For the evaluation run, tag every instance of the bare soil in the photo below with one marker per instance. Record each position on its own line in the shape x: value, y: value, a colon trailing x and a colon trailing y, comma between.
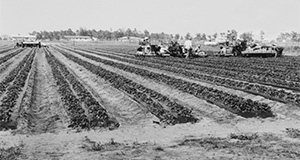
x: 219, y: 134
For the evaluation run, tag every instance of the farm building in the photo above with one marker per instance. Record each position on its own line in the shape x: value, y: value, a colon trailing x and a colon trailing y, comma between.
x: 80, y: 38
x: 130, y: 39
x: 24, y: 38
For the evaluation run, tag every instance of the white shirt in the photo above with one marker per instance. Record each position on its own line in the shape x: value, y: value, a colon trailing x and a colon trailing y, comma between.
x: 188, y: 44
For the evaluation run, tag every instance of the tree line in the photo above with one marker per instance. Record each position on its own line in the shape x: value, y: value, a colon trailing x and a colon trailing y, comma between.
x: 101, y: 34
x: 114, y: 35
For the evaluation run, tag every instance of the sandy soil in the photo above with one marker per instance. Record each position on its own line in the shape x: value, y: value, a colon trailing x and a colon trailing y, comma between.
x: 282, y: 110
x: 119, y: 104
x: 138, y: 137
x: 142, y: 140
x: 201, y: 107
x: 47, y: 109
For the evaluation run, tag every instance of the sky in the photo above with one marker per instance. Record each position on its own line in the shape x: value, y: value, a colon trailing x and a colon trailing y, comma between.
x: 168, y: 16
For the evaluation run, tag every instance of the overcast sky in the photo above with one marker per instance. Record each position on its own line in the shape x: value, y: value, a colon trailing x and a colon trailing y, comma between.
x: 168, y: 16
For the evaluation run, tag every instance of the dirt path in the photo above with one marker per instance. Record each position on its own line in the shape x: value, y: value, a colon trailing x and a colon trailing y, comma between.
x: 47, y: 109
x: 117, y: 103
x: 69, y: 145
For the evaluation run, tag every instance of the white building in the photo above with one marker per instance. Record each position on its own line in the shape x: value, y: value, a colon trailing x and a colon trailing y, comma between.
x: 24, y: 38
x: 80, y: 38
x: 130, y: 39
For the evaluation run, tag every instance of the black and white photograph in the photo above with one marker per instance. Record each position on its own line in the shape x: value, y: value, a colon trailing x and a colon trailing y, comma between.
x: 149, y: 79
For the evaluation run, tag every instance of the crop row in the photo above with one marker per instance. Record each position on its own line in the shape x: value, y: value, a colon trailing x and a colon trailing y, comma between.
x: 6, y: 50
x: 75, y: 111
x: 167, y: 111
x: 7, y: 57
x: 12, y: 75
x: 283, y: 78
x: 281, y: 64
x: 186, y: 70
x: 13, y: 91
x: 97, y: 116
x: 25, y: 110
x: 233, y: 103
x: 242, y: 66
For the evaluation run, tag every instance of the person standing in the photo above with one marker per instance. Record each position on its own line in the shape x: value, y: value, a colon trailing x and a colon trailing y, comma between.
x: 188, y: 47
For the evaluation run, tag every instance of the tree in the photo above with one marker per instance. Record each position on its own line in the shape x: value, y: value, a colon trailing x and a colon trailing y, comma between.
x: 209, y: 37
x: 187, y: 36
x: 177, y: 36
x: 146, y: 33
x: 119, y: 33
x: 284, y: 37
x: 128, y: 32
x: 39, y: 35
x: 262, y: 35
x: 295, y: 37
x: 214, y: 36
x: 248, y: 36
x: 200, y: 36
x: 69, y: 32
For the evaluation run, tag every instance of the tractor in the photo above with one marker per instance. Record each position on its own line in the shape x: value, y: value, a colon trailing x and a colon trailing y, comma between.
x: 152, y: 50
x: 241, y: 48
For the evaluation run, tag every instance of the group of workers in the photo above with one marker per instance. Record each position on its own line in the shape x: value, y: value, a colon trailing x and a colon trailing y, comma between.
x: 187, y: 46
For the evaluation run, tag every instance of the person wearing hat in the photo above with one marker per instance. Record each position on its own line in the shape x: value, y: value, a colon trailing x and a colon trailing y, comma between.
x: 188, y: 46
x: 146, y: 41
x: 145, y: 44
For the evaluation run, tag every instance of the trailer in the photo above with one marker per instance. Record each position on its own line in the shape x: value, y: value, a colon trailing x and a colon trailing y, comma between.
x: 243, y: 49
x: 263, y: 51
x: 31, y: 44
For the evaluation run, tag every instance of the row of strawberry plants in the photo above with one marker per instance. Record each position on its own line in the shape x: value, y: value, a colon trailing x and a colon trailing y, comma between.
x: 266, y: 80
x: 186, y: 70
x: 24, y: 119
x: 96, y: 114
x: 280, y: 64
x: 10, y: 99
x: 13, y: 74
x: 233, y: 103
x: 167, y: 111
x: 78, y: 119
x: 9, y: 56
x: 284, y: 77
x: 6, y: 49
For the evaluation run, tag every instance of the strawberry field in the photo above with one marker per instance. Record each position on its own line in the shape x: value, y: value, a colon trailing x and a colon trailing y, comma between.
x: 232, y: 84
x: 106, y: 89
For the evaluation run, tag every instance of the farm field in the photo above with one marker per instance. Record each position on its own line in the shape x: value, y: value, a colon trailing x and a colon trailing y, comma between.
x: 95, y: 101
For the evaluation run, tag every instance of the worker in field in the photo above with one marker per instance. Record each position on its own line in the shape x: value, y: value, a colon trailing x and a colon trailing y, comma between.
x: 145, y: 46
x: 198, y: 49
x: 145, y: 41
x: 174, y: 42
x: 188, y: 47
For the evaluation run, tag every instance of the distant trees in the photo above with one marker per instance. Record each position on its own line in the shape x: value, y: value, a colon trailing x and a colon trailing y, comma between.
x: 187, y: 36
x: 293, y: 37
x: 262, y: 35
x: 200, y: 37
x: 102, y: 34
x: 248, y: 36
x: 177, y: 36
